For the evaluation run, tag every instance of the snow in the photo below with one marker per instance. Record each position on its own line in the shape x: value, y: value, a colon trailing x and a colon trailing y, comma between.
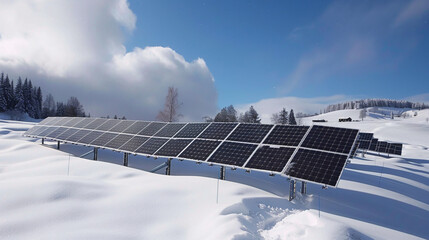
x: 52, y: 194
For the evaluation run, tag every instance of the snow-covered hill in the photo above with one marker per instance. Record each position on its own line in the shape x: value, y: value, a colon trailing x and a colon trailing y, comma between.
x: 51, y: 194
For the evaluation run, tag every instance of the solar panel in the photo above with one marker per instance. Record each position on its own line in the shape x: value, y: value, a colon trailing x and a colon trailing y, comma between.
x: 199, y: 150
x: 218, y: 131
x: 382, y: 147
x: 73, y: 122
x: 173, y: 147
x: 152, y: 128
x: 63, y: 121
x: 54, y: 121
x: 270, y: 158
x: 253, y: 133
x: 364, y: 144
x: 95, y: 124
x: 332, y: 139
x: 67, y: 133
x: 231, y: 153
x: 78, y: 135
x: 363, y: 136
x: 46, y: 120
x: 170, y: 129
x: 286, y: 135
x: 316, y: 166
x: 32, y: 130
x: 103, y: 139
x: 136, y: 127
x: 56, y: 132
x: 46, y: 131
x: 83, y: 123
x: 133, y: 143
x: 118, y: 141
x: 87, y: 139
x: 191, y: 130
x: 120, y: 127
x: 151, y: 145
x: 395, y: 148
x: 107, y: 125
x: 373, y: 145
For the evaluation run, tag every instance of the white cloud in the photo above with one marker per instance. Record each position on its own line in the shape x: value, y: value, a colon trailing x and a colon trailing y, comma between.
x: 266, y: 107
x: 76, y: 48
x: 413, y: 10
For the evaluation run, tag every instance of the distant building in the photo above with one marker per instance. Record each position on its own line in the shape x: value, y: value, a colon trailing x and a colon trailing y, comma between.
x: 319, y: 120
x: 349, y: 119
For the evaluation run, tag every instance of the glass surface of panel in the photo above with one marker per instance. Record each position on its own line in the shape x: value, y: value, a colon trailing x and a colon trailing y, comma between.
x: 173, y: 147
x: 56, y: 132
x: 78, y: 135
x: 120, y: 127
x: 151, y: 145
x: 231, y: 153
x: 87, y: 139
x: 107, y: 125
x: 118, y: 141
x: 286, y: 135
x: 252, y: 133
x: 271, y: 159
x: 133, y: 143
x: 73, y: 121
x: 103, y: 139
x: 152, y: 128
x: 169, y: 130
x: 84, y: 122
x: 199, y: 149
x: 332, y: 139
x: 67, y: 133
x: 218, y: 131
x: 95, y: 124
x: 316, y: 166
x: 136, y: 127
x: 191, y: 130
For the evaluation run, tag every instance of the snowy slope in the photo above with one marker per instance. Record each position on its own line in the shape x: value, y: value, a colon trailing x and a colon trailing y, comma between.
x: 50, y: 194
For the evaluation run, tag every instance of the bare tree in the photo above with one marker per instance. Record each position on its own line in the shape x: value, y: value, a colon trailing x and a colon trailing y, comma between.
x: 171, y: 107
x: 362, y: 114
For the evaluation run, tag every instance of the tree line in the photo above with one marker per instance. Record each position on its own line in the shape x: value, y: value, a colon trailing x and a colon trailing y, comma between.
x: 365, y: 103
x: 25, y: 98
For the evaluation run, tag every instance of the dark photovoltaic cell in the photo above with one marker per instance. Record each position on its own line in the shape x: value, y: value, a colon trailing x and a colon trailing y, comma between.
x: 173, y: 147
x: 151, y: 145
x: 83, y: 123
x: 54, y: 121
x: 47, y: 131
x: 56, y: 132
x: 120, y: 127
x: 218, y: 131
x: 118, y: 141
x: 191, y: 130
x: 73, y: 122
x: 63, y: 121
x: 46, y: 120
x: 78, y: 135
x: 107, y: 125
x: 373, y: 145
x: 67, y: 133
x: 231, y: 153
x: 382, y: 146
x: 363, y: 136
x: 133, y: 143
x: 316, y: 166
x: 32, y: 130
x: 39, y: 130
x: 286, y: 135
x: 136, y: 127
x: 87, y: 139
x: 95, y: 124
x: 253, y: 133
x: 103, y: 139
x: 395, y: 148
x: 152, y: 128
x: 364, y: 144
x: 271, y: 159
x: 169, y: 130
x: 200, y: 149
x: 339, y: 140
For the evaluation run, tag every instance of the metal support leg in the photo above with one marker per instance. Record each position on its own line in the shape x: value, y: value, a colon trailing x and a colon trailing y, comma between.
x: 126, y: 159
x: 222, y: 173
x: 292, y: 192
x: 43, y: 141
x: 95, y: 154
x: 58, y: 145
x: 303, y: 188
x: 168, y: 169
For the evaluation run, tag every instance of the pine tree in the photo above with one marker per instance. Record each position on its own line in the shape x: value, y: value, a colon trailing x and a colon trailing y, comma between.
x: 283, y: 117
x: 19, y: 97
x: 8, y: 94
x: 292, y: 120
x: 226, y: 114
x: 250, y: 116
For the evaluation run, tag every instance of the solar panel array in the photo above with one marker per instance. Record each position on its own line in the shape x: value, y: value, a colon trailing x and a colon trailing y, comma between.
x: 366, y: 141
x: 317, y: 154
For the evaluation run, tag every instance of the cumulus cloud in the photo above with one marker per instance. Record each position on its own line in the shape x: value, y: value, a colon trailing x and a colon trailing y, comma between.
x: 266, y: 107
x: 76, y: 48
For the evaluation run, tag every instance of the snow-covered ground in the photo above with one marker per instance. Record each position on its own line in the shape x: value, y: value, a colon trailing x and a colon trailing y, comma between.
x: 51, y: 194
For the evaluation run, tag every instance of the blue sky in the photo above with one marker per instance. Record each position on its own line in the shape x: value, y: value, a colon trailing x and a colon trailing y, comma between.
x: 267, y: 49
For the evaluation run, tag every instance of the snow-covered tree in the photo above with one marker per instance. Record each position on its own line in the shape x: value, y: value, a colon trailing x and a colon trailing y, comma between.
x: 170, y: 113
x: 19, y: 97
x: 280, y: 117
x: 362, y: 114
x: 48, y: 108
x: 226, y: 114
x: 250, y: 116
x: 292, y: 120
x: 60, y: 112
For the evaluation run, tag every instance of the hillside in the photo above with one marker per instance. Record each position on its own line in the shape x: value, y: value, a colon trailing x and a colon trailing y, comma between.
x: 51, y: 194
